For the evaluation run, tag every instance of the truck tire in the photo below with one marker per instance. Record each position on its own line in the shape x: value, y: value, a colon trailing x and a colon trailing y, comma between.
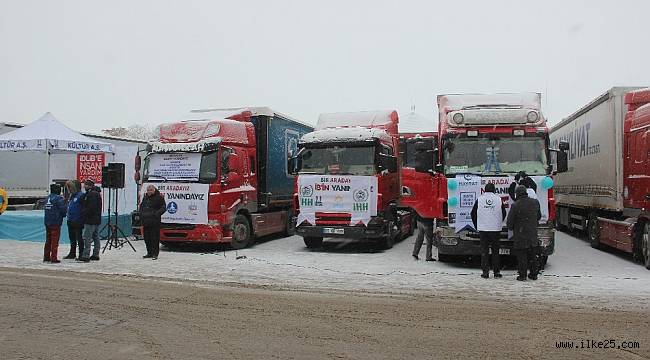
x: 290, y: 227
x: 543, y: 259
x: 645, y: 245
x: 593, y: 231
x: 241, y: 233
x: 445, y: 258
x: 387, y: 241
x: 313, y: 242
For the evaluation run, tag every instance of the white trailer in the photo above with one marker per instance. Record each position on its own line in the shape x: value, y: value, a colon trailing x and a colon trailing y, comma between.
x: 595, y: 175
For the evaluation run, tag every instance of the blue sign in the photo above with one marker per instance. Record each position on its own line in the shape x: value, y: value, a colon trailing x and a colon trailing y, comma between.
x: 172, y: 207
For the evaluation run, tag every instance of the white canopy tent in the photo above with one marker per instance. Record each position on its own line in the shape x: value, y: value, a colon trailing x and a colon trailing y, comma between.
x: 49, y: 135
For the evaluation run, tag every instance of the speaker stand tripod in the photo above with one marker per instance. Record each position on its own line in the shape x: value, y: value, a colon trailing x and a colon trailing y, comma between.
x: 115, y: 236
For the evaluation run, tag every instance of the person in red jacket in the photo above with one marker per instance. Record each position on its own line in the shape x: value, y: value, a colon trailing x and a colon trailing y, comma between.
x: 55, y: 211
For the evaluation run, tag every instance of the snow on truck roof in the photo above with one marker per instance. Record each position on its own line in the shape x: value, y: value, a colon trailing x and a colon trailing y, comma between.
x: 344, y: 134
x: 368, y: 119
x: 449, y: 102
x: 225, y: 113
x: 352, y: 127
x: 197, y: 133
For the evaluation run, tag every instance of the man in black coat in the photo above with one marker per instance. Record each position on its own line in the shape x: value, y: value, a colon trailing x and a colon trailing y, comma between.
x: 522, y: 220
x: 91, y: 213
x: 151, y: 209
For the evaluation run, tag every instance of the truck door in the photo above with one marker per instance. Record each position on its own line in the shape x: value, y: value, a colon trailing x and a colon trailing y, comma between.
x: 646, y: 174
x: 637, y: 179
x: 231, y: 177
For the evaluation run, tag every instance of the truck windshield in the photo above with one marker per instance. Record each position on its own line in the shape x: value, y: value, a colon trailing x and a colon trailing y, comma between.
x: 495, y: 155
x: 337, y: 160
x: 187, y: 167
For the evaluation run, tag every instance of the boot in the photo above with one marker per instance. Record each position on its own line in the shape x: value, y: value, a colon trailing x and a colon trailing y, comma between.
x: 497, y: 275
x: 71, y: 255
x: 521, y: 278
x: 485, y: 275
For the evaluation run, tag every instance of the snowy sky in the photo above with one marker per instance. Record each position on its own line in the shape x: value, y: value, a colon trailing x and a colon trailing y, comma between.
x: 98, y: 64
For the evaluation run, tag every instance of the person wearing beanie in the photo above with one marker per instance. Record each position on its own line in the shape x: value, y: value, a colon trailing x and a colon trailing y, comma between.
x: 55, y: 211
x: 523, y: 218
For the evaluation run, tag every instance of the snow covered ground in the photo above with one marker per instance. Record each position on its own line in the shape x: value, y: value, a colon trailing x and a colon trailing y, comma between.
x: 576, y: 275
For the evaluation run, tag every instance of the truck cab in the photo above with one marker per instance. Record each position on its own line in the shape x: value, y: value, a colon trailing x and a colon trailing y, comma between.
x: 225, y: 175
x: 348, y: 183
x: 490, y: 139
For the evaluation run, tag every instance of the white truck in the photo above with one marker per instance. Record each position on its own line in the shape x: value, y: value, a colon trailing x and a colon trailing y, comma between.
x: 598, y: 194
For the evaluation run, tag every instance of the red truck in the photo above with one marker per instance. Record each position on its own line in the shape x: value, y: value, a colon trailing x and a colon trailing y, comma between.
x: 481, y: 139
x: 606, y: 190
x: 420, y: 190
x: 348, y: 183
x: 225, y: 175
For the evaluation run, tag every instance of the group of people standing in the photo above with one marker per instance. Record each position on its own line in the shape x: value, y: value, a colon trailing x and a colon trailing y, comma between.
x: 83, y: 210
x: 488, y: 214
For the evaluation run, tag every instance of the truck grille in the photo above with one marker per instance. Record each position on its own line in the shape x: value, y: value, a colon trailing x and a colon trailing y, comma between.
x: 323, y: 218
x: 177, y: 226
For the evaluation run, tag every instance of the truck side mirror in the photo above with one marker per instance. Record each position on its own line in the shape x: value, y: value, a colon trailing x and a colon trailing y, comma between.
x: 387, y: 162
x: 295, y: 164
x: 562, y: 161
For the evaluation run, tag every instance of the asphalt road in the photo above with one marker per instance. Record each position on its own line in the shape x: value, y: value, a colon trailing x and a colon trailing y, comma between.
x: 49, y: 314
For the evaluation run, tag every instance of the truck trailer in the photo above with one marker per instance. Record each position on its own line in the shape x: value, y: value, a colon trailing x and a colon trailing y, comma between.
x: 225, y: 175
x: 348, y: 183
x: 606, y: 190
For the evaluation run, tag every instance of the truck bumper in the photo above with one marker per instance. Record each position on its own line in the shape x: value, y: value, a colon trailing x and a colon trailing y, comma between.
x: 180, y: 233
x: 337, y: 231
x: 464, y: 243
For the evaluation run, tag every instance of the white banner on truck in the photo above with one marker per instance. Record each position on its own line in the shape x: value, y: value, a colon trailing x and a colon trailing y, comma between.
x: 175, y: 166
x: 465, y: 189
x: 186, y: 203
x: 354, y: 195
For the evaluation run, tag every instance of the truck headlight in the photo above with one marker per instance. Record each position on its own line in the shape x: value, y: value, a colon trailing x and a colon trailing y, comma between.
x: 458, y: 118
x: 449, y: 241
x: 532, y: 116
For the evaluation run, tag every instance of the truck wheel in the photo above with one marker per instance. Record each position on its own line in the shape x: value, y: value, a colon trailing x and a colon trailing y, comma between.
x: 593, y: 231
x: 645, y: 242
x: 445, y: 258
x: 241, y: 233
x: 388, y: 240
x: 542, y: 261
x: 313, y: 242
x: 290, y: 228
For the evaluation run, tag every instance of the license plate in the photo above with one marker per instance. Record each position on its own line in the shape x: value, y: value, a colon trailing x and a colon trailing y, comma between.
x: 333, y: 231
x: 504, y: 251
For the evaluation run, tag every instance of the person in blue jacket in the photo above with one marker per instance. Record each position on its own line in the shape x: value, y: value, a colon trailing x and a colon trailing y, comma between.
x: 75, y: 221
x: 55, y: 211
